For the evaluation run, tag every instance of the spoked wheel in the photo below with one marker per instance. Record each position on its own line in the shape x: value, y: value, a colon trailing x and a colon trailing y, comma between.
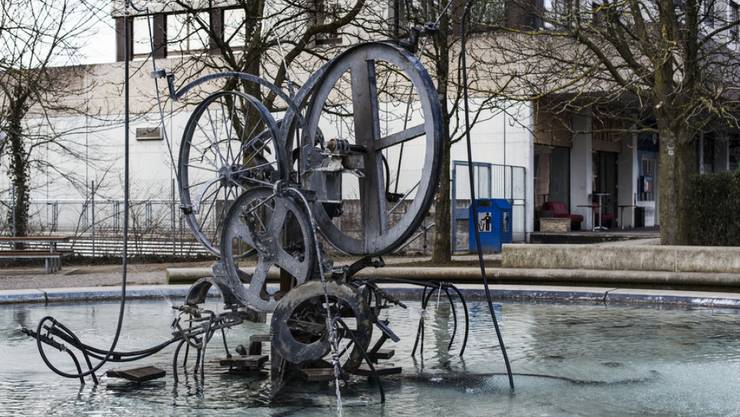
x: 272, y: 229
x: 299, y: 324
x: 374, y: 78
x: 229, y: 145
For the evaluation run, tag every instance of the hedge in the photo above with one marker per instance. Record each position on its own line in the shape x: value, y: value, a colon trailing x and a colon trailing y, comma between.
x: 715, y: 219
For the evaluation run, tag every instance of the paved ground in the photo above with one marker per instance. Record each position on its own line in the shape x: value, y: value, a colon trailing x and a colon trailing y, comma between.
x: 86, y: 276
x: 139, y: 274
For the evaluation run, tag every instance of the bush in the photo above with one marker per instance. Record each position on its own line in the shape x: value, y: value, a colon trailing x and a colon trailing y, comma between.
x: 715, y: 220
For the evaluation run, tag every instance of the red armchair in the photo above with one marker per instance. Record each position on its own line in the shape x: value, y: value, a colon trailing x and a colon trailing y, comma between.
x: 560, y: 210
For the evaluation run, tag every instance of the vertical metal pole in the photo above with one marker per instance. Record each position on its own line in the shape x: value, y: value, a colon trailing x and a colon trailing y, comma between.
x: 476, y: 231
x: 511, y: 184
x: 512, y: 190
x: 524, y: 174
x: 172, y: 214
x: 12, y: 215
x: 54, y: 216
x: 453, y: 207
x: 92, y: 214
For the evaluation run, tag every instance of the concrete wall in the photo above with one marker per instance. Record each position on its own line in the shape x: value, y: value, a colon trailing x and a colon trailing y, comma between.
x: 497, y: 139
x: 623, y: 257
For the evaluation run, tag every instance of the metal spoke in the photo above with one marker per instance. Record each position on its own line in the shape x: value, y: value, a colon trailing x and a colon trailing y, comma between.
x: 405, y: 125
x: 215, y: 139
x: 367, y: 128
x: 239, y: 171
x: 289, y: 263
x: 241, y: 149
x: 198, y: 183
x: 200, y: 199
x: 209, y: 146
x: 259, y: 276
x: 202, y: 168
x: 226, y: 127
x: 203, y: 154
x: 205, y: 216
x: 258, y: 151
x: 395, y: 206
x: 279, y: 214
x: 401, y: 137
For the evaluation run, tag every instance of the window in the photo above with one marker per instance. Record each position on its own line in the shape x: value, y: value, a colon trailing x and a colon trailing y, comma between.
x: 142, y: 44
x: 646, y: 180
x: 235, y: 31
x: 399, y: 9
x: 185, y: 32
x: 709, y: 12
x: 485, y: 14
x: 734, y: 16
x: 548, y: 15
x: 325, y: 12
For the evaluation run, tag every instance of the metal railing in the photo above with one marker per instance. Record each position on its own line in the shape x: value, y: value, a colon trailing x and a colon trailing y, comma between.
x: 492, y: 181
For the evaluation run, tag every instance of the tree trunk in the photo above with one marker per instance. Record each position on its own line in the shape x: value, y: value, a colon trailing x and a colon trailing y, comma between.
x: 442, y: 249
x: 18, y: 170
x: 677, y: 165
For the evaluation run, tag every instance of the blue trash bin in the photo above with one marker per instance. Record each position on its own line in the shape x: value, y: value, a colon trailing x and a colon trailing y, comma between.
x: 492, y: 216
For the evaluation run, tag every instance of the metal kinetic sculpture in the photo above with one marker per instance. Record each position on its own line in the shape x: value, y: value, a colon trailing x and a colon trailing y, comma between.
x: 253, y: 186
x: 280, y: 188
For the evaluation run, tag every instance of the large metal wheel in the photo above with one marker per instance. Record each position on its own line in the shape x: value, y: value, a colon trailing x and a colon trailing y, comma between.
x: 230, y: 144
x: 299, y: 325
x: 387, y: 218
x: 276, y: 231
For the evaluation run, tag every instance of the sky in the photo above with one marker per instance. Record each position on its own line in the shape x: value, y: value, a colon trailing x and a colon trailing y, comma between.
x: 101, y: 46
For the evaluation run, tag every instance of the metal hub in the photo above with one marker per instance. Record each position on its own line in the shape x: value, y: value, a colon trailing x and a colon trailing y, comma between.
x: 299, y: 323
x: 275, y: 229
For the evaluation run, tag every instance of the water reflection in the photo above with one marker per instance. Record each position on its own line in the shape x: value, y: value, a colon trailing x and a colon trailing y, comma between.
x: 571, y: 360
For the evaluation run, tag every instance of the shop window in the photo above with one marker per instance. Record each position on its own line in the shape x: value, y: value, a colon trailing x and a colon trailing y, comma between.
x: 647, y: 178
x: 552, y: 174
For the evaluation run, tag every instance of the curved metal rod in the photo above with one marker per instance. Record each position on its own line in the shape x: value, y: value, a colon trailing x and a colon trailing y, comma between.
x: 424, y: 305
x: 420, y: 328
x: 375, y: 376
x: 197, y: 363
x: 454, y: 318
x: 240, y: 75
x: 467, y: 318
x: 226, y: 345
x: 77, y: 365
x: 174, y: 359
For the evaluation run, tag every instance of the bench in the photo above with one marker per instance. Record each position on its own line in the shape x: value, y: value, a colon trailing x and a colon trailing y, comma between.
x: 52, y: 260
x: 52, y: 256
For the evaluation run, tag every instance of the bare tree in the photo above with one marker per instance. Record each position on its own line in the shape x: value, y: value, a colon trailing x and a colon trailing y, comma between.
x: 665, y: 66
x: 40, y: 78
x: 268, y: 39
x: 438, y: 24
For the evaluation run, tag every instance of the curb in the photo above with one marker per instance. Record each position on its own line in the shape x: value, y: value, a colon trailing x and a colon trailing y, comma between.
x: 527, y: 293
x: 511, y: 275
